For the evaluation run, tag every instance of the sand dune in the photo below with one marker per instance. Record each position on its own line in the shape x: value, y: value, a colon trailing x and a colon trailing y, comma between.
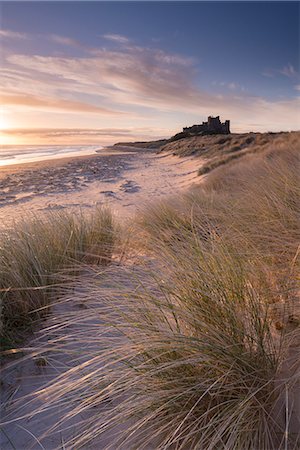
x: 123, y: 180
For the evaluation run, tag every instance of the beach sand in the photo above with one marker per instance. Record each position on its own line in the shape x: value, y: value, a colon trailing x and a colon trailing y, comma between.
x: 123, y: 178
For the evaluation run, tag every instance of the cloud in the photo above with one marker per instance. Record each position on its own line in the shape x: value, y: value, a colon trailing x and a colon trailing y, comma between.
x: 269, y: 115
x: 143, y: 79
x: 54, y: 104
x: 289, y: 71
x: 64, y: 40
x: 149, y: 78
x: 83, y: 135
x: 232, y: 86
x: 297, y: 87
x: 13, y: 34
x: 116, y: 38
x: 58, y: 132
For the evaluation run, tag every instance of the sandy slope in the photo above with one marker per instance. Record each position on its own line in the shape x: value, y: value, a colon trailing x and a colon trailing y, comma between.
x: 124, y: 180
x: 61, y: 352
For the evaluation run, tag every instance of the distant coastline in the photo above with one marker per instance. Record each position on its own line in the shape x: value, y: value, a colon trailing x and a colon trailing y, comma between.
x: 22, y: 154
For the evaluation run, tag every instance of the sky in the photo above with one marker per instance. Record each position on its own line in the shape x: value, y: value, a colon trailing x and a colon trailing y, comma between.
x: 101, y: 72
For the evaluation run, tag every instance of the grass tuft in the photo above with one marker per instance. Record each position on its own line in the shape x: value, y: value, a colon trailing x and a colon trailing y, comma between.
x: 36, y: 250
x: 190, y: 357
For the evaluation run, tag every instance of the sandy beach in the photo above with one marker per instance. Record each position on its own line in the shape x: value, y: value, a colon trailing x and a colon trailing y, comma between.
x: 124, y: 178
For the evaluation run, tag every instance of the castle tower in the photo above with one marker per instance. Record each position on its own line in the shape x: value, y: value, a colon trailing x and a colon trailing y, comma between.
x: 227, y: 127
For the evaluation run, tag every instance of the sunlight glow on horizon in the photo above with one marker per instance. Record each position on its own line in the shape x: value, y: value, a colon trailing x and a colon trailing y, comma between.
x: 10, y: 140
x: 4, y: 121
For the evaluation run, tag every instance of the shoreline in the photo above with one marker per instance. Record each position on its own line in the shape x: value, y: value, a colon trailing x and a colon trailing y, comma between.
x: 54, y: 162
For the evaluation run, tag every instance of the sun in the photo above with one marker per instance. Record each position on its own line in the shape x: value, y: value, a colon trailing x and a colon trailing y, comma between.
x: 5, y: 126
x: 6, y: 118
x: 4, y: 123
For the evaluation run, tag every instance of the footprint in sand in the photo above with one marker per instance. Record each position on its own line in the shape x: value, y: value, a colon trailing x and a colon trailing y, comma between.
x: 7, y: 198
x: 109, y: 193
x: 109, y: 180
x: 53, y: 206
x: 129, y: 186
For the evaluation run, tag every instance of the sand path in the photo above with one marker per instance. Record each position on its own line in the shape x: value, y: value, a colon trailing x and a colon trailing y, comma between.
x: 59, y: 345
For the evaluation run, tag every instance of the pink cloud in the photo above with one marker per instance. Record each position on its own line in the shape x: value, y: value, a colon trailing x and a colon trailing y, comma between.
x: 88, y: 135
x: 136, y: 77
x: 289, y: 71
x: 13, y: 34
x: 64, y: 40
x: 54, y: 103
x: 116, y: 38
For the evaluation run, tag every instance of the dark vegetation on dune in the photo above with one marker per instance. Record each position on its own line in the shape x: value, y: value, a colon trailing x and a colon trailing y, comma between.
x: 217, y: 149
x: 143, y: 144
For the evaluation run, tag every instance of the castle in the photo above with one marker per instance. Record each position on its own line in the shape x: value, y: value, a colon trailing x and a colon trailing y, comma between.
x: 212, y: 126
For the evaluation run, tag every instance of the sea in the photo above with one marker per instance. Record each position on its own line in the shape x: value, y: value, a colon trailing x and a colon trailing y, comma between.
x: 19, y: 154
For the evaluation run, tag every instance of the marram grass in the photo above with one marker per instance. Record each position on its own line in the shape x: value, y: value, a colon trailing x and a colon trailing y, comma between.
x: 35, y: 251
x: 195, y: 351
x: 194, y: 361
